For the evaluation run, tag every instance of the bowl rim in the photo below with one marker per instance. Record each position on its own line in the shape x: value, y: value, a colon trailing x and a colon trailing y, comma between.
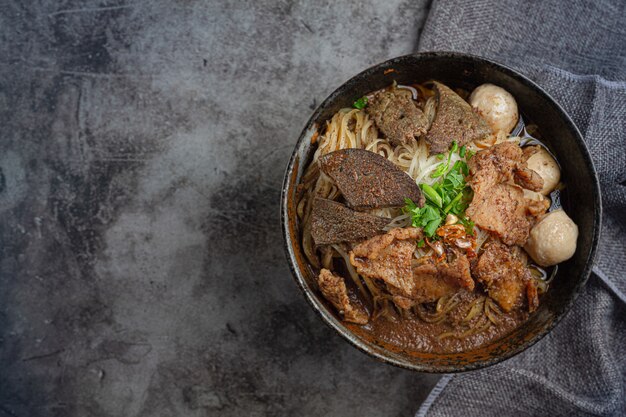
x: 344, y: 332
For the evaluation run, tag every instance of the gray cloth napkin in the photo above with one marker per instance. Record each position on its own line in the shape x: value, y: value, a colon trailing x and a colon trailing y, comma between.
x: 576, y: 50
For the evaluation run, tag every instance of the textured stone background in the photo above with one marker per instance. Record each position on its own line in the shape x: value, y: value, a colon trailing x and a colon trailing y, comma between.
x: 142, y: 146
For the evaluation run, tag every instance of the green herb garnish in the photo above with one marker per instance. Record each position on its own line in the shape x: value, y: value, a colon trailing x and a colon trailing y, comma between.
x: 420, y: 244
x: 360, y: 103
x: 432, y: 195
x: 442, y: 168
x: 462, y: 151
x: 448, y: 195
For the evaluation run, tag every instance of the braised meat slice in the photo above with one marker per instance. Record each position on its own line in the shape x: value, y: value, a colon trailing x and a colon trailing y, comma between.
x: 332, y: 222
x: 494, y: 165
x: 505, y: 276
x: 527, y: 178
x: 455, y: 120
x: 334, y: 289
x: 499, y: 205
x: 428, y: 286
x: 368, y: 180
x: 388, y: 257
x: 457, y: 272
x: 434, y: 280
x: 533, y: 295
x: 504, y: 162
x: 397, y: 116
x: 501, y: 210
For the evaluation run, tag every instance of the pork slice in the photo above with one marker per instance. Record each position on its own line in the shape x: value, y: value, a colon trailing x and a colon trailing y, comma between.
x: 493, y: 165
x: 499, y: 205
x: 457, y: 272
x: 333, y: 288
x: 333, y: 222
x: 388, y: 257
x: 430, y: 285
x: 504, y: 162
x: 368, y: 180
x: 501, y: 210
x: 527, y: 178
x: 432, y: 281
x: 504, y: 275
x: 397, y: 116
x: 454, y: 120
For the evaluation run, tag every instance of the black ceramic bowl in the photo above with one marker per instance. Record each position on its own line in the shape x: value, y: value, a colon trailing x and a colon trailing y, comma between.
x: 558, y: 132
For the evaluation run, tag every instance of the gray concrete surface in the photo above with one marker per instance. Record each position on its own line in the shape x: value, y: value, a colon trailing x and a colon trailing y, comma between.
x: 142, y: 146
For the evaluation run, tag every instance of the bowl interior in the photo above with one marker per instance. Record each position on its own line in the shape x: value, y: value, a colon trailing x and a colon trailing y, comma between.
x: 558, y: 132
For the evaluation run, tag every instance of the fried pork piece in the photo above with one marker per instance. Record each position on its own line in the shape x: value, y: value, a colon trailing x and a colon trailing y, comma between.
x: 457, y: 272
x: 397, y: 116
x: 455, y: 120
x: 527, y: 178
x: 505, y: 276
x: 533, y: 295
x: 502, y: 163
x: 500, y: 206
x: 433, y: 281
x: 332, y: 222
x: 502, y: 210
x: 368, y: 180
x: 334, y: 289
x: 388, y: 257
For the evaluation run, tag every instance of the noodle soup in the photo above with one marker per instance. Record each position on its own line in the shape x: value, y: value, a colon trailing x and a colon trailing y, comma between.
x: 431, y: 216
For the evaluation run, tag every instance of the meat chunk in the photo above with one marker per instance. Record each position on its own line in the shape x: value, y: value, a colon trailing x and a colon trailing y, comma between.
x: 334, y: 289
x: 368, y: 180
x: 502, y: 163
x: 533, y: 295
x: 430, y: 284
x: 434, y: 280
x: 397, y: 116
x: 501, y: 210
x: 457, y: 272
x: 505, y: 276
x: 527, y: 178
x: 332, y: 222
x: 499, y: 205
x: 388, y: 258
x: 494, y: 165
x: 455, y: 120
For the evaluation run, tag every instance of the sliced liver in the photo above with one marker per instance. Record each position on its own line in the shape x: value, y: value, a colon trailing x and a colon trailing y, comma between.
x: 397, y: 116
x: 333, y: 222
x: 368, y: 180
x: 455, y: 120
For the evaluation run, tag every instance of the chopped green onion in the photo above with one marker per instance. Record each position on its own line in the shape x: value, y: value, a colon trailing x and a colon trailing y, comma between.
x: 432, y: 195
x: 420, y: 244
x: 453, y: 202
x: 440, y: 156
x: 360, y: 103
x: 462, y: 151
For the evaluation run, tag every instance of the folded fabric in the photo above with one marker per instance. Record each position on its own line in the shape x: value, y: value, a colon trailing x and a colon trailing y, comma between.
x: 576, y: 51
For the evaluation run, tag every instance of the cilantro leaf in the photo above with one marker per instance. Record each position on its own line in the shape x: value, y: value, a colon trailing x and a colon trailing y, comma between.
x: 360, y: 103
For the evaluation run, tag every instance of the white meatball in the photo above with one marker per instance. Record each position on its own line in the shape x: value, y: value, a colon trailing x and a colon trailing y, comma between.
x: 544, y: 164
x: 496, y: 105
x: 553, y: 239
